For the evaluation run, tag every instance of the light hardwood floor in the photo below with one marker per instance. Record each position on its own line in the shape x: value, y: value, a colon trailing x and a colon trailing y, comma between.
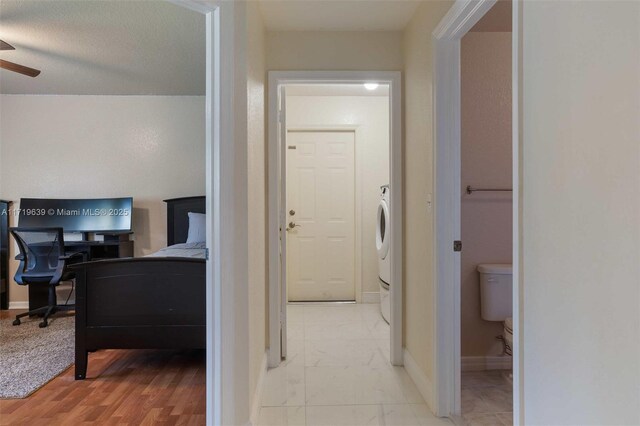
x: 123, y: 387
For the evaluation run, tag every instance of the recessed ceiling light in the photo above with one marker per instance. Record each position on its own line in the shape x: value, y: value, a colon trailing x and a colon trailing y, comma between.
x: 371, y: 86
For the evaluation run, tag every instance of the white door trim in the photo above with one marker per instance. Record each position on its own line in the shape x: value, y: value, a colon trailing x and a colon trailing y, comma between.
x: 462, y: 16
x: 358, y: 189
x: 219, y: 127
x: 281, y: 195
x: 518, y: 290
x: 277, y: 79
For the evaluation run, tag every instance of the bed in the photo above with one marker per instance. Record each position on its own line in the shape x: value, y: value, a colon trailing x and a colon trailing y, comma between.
x: 153, y: 302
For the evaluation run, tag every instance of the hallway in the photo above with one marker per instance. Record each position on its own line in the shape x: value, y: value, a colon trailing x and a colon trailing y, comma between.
x: 338, y: 373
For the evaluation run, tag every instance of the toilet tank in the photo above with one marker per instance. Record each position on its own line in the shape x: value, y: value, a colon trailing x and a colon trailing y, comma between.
x: 496, y: 291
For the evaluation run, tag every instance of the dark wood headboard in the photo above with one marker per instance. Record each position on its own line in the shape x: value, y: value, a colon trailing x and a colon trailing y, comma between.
x: 178, y: 217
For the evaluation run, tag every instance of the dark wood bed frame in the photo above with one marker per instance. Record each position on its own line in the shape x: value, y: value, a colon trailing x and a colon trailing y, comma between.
x: 146, y: 302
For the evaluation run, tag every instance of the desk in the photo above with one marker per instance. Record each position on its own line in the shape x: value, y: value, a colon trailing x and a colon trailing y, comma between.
x: 112, y: 248
x: 97, y: 250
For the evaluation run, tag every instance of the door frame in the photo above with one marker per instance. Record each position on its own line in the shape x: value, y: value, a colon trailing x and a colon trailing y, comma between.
x: 357, y: 164
x: 446, y: 38
x: 276, y: 230
x: 219, y: 146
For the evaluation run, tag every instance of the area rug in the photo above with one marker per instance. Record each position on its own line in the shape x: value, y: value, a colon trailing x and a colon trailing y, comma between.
x: 31, y: 356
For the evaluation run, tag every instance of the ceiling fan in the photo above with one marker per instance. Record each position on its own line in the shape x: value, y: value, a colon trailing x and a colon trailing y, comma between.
x: 31, y: 72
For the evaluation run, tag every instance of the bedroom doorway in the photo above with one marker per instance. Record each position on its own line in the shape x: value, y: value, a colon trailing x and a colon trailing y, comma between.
x: 319, y: 191
x: 145, y: 129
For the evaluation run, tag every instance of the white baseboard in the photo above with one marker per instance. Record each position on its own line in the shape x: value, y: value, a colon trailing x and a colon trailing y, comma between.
x: 422, y: 382
x: 19, y: 305
x: 370, y: 297
x: 257, y: 395
x: 480, y: 363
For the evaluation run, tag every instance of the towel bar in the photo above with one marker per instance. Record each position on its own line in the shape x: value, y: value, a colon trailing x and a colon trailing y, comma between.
x: 471, y: 190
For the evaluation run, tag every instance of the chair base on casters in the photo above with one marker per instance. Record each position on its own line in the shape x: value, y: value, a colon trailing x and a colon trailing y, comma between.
x: 47, y: 311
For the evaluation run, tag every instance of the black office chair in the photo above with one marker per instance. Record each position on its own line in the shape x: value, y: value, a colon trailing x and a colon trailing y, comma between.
x: 43, y: 261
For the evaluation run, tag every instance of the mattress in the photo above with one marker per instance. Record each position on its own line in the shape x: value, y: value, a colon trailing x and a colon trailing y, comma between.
x: 193, y: 250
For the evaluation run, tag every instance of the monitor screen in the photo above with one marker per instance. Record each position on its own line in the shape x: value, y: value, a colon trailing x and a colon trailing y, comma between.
x: 106, y: 215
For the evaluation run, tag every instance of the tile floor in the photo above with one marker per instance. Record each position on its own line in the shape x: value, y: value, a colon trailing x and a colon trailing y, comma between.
x: 487, y: 399
x: 338, y: 373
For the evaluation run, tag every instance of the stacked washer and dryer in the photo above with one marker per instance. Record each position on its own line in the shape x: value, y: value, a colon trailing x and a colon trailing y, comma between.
x: 383, y: 239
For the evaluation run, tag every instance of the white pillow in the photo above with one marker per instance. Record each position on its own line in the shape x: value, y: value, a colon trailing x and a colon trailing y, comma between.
x: 197, y: 228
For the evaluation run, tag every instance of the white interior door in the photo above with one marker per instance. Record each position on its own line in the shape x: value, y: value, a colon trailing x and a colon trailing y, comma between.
x: 320, y: 213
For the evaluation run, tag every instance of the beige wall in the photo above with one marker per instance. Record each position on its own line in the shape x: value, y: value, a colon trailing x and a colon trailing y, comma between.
x: 147, y: 147
x: 235, y: 356
x: 334, y: 50
x: 486, y: 218
x: 581, y: 212
x: 256, y: 225
x: 371, y: 115
x: 419, y: 301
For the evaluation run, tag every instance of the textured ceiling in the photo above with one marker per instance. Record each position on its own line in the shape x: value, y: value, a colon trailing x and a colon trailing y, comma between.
x: 103, y: 47
x: 337, y: 15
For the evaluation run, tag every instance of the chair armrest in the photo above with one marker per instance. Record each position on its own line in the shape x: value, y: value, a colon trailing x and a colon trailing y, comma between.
x: 68, y: 256
x: 71, y: 257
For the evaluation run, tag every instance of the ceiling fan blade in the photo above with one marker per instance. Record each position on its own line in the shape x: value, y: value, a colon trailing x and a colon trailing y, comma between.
x: 19, y: 68
x: 6, y: 46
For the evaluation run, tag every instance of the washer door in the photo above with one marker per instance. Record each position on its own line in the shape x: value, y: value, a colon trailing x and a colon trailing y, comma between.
x: 382, y: 230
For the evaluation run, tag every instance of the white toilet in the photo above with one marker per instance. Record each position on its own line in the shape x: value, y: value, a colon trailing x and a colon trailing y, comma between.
x: 496, y: 297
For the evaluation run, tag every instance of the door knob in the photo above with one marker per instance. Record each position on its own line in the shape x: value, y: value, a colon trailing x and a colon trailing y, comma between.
x: 292, y: 212
x: 292, y: 225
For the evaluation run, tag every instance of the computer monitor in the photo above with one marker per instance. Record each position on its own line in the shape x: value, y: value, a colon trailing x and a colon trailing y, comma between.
x: 102, y: 215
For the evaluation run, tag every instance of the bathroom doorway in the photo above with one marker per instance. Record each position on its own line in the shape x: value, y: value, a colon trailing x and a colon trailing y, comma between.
x: 476, y: 213
x: 486, y: 208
